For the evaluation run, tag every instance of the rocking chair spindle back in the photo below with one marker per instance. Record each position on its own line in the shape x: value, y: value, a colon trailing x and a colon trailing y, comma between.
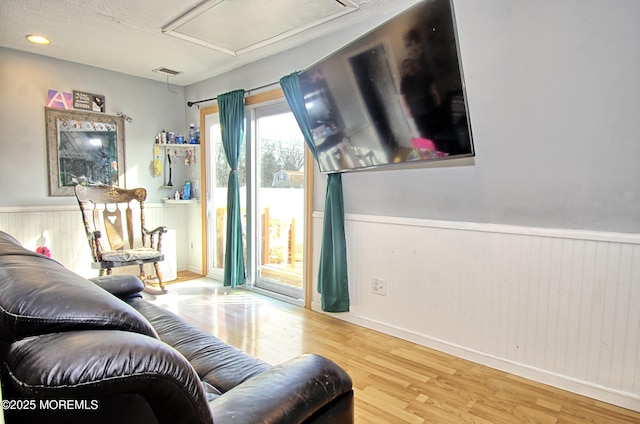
x: 109, y: 211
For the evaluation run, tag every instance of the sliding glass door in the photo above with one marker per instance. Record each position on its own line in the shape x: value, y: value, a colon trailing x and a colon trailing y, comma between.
x: 279, y: 194
x: 272, y: 187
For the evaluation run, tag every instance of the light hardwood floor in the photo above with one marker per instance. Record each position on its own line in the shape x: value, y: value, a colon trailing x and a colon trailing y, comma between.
x: 395, y: 381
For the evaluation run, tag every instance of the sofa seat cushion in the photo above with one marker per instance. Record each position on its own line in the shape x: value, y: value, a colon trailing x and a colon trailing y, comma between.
x: 38, y: 295
x: 217, y: 363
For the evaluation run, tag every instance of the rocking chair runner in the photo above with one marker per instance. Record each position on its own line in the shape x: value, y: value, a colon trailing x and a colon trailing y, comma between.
x: 109, y: 209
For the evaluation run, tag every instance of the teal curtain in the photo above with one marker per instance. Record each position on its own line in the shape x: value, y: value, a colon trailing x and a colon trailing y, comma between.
x: 293, y: 93
x: 333, y: 281
x: 231, y: 111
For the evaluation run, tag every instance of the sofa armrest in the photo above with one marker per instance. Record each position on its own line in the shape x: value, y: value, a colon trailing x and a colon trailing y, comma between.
x: 101, y: 364
x: 292, y: 392
x: 122, y: 286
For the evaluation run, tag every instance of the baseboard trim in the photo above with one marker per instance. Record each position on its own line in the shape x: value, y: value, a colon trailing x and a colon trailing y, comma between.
x: 604, y: 394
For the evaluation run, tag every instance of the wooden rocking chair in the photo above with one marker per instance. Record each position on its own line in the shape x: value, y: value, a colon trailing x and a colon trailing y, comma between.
x: 108, y: 210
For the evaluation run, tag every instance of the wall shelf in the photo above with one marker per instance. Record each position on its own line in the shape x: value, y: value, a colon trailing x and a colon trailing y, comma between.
x: 179, y: 149
x: 179, y: 165
x: 183, y: 145
x: 181, y: 202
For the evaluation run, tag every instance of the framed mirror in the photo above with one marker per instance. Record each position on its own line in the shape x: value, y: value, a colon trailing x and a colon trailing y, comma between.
x: 83, y: 148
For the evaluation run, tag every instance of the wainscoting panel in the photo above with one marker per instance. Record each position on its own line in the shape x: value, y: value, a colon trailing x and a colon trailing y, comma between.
x: 60, y: 229
x: 557, y: 306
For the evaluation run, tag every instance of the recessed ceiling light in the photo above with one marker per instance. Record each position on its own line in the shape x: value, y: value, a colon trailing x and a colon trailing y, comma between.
x: 38, y: 39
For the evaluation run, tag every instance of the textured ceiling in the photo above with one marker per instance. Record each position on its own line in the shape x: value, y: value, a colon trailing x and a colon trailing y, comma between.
x: 127, y: 36
x: 214, y: 23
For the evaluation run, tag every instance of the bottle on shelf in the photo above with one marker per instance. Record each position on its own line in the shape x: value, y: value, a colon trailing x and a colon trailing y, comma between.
x: 186, y: 190
x: 194, y: 134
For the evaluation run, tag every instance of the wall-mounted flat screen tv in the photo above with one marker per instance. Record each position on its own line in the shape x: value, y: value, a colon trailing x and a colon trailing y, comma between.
x: 395, y: 95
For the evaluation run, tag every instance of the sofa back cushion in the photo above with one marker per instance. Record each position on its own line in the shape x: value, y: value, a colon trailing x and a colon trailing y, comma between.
x: 104, y: 364
x: 38, y: 295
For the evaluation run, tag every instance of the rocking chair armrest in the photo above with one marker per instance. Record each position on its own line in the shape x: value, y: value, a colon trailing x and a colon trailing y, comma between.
x: 96, y: 246
x: 158, y: 230
x: 155, y: 244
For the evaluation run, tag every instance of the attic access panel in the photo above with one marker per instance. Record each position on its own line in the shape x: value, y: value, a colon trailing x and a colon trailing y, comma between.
x: 235, y: 27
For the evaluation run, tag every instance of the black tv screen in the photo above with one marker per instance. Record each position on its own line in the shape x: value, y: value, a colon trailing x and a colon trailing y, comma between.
x: 395, y: 95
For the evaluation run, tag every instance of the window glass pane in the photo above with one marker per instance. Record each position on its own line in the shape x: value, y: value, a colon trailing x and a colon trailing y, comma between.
x: 281, y: 152
x: 220, y: 181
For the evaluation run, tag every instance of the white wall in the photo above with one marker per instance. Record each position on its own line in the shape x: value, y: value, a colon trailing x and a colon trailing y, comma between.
x: 553, y: 92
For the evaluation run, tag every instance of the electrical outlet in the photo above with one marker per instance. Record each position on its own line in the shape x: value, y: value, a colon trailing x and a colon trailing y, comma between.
x: 379, y: 287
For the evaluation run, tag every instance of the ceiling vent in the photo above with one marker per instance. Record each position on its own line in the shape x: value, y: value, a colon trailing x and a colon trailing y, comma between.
x: 166, y: 71
x: 237, y: 27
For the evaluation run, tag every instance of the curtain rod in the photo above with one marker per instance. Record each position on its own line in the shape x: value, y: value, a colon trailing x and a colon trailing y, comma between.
x: 246, y: 92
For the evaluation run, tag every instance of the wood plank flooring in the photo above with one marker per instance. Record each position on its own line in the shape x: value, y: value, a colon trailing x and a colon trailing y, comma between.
x: 395, y: 381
